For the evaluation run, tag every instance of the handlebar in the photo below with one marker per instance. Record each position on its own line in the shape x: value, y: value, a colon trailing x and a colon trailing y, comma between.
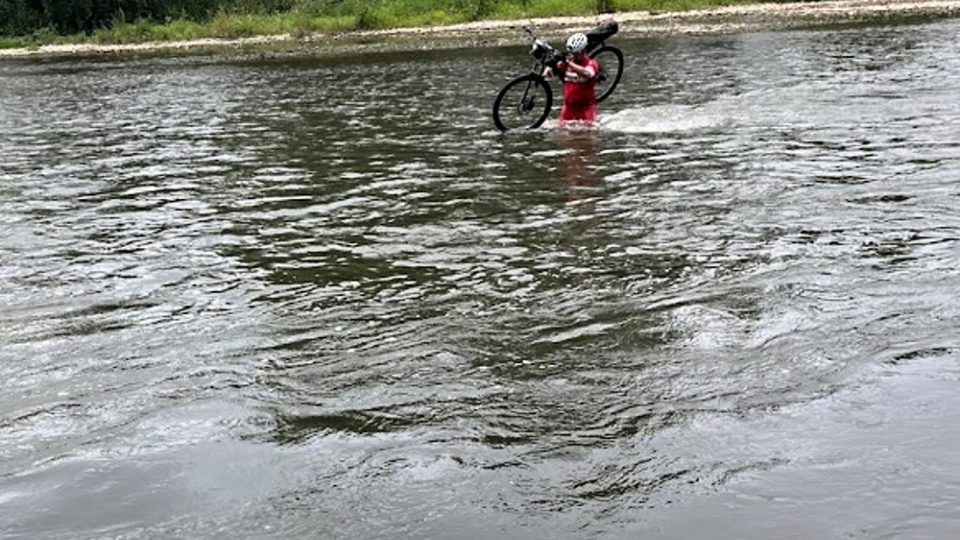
x: 543, y: 51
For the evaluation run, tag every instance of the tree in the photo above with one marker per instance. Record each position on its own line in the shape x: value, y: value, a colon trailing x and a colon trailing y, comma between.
x: 18, y: 17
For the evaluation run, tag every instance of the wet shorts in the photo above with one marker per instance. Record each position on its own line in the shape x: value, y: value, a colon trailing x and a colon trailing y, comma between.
x: 586, y: 113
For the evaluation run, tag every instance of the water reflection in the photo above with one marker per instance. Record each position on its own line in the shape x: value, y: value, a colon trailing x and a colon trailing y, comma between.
x: 579, y: 149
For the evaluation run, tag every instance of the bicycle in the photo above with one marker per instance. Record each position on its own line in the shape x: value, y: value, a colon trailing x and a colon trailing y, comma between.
x: 534, y: 97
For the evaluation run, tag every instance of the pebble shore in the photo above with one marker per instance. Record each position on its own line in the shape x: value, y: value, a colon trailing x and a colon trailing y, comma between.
x: 753, y: 17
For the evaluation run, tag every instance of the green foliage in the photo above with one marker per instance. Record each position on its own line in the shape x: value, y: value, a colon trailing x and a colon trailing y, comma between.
x: 370, y: 18
x: 605, y: 6
x: 23, y: 17
x: 551, y: 8
x: 13, y: 43
x: 474, y: 9
x: 261, y: 7
x: 16, y: 18
x: 127, y: 21
x: 44, y: 34
x: 147, y: 30
x: 673, y: 5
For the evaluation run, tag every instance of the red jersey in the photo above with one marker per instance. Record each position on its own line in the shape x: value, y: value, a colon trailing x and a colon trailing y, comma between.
x: 579, y: 91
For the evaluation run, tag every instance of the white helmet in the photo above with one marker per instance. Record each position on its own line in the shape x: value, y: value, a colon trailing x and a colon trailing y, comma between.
x: 577, y: 42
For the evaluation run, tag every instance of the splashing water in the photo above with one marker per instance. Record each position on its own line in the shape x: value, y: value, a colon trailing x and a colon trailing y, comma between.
x: 664, y: 119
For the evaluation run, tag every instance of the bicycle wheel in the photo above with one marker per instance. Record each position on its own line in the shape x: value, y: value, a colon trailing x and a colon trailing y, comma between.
x: 523, y: 103
x: 611, y: 69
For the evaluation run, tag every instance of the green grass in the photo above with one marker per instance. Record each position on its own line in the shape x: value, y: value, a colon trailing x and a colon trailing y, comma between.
x: 43, y: 36
x: 674, y: 5
x: 324, y: 16
x: 13, y: 43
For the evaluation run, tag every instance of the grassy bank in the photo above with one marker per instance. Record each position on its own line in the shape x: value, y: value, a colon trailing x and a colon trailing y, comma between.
x: 325, y: 16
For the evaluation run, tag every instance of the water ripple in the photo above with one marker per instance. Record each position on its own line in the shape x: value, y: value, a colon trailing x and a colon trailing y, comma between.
x: 281, y: 298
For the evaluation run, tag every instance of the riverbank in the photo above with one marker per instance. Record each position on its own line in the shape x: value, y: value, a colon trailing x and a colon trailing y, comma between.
x: 753, y: 17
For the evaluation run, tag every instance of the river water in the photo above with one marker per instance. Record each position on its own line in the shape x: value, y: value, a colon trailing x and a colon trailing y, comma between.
x: 314, y: 298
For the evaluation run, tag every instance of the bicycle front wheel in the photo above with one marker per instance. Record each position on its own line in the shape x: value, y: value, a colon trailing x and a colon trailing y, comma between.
x: 523, y: 103
x: 611, y: 70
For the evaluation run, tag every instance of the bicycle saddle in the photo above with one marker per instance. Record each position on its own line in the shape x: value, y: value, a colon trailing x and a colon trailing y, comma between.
x: 602, y: 32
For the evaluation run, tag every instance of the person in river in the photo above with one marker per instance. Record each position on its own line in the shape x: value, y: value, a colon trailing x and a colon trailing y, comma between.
x: 579, y: 75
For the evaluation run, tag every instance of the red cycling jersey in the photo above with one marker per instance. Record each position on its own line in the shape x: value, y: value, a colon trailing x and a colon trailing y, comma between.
x: 579, y: 92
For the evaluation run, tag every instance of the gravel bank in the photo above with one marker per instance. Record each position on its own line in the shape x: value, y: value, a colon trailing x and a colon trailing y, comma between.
x: 491, y: 33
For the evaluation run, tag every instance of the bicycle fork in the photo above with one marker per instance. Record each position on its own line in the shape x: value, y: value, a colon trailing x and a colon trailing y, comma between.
x: 526, y: 102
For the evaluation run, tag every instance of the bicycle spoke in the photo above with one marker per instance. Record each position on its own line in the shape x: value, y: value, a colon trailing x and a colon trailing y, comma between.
x: 522, y: 104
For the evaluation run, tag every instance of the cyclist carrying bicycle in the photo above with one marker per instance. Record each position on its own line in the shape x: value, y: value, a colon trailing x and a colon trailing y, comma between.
x: 579, y: 74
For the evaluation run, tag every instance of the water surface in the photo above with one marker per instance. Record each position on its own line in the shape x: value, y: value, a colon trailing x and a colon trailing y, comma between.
x: 313, y: 298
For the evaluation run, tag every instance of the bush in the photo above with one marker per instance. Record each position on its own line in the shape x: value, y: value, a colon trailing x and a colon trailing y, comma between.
x: 17, y: 19
x: 370, y: 19
x: 605, y: 6
x: 23, y: 17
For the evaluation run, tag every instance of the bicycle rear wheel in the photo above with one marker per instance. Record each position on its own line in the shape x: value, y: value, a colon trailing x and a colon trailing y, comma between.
x: 611, y: 70
x: 523, y: 103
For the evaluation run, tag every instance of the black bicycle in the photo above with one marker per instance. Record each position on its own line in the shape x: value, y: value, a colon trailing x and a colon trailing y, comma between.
x: 525, y: 102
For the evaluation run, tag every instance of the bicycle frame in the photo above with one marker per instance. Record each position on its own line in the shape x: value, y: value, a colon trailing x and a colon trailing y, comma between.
x: 541, y: 52
x: 535, y: 84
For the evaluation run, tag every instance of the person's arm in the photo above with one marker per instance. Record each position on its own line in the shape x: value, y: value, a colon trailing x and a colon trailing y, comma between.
x: 584, y: 71
x: 548, y: 71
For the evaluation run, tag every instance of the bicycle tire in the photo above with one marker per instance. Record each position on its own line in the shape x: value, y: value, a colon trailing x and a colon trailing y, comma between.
x: 606, y: 72
x: 526, y: 105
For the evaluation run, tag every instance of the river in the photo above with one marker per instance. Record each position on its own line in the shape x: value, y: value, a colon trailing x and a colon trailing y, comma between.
x: 324, y: 298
